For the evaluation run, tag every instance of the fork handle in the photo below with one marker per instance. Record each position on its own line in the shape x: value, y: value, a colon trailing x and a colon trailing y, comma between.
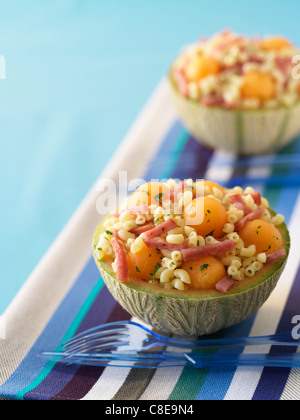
x: 267, y: 360
x: 282, y: 339
x: 167, y: 359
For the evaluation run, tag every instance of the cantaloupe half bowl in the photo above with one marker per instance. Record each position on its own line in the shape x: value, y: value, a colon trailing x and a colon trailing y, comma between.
x: 192, y: 312
x: 241, y: 132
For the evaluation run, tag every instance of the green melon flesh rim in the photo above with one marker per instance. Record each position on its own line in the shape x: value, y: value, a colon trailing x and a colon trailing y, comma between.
x: 139, y: 285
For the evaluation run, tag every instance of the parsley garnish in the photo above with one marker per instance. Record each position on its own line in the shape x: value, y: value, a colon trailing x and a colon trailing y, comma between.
x: 108, y: 232
x: 157, y: 267
x: 137, y: 269
x: 159, y: 197
x: 204, y: 267
x: 211, y: 233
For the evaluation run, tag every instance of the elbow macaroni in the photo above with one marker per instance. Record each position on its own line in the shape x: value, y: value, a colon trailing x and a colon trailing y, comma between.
x: 240, y: 263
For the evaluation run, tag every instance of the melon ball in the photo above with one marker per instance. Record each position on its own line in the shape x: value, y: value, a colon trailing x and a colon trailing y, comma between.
x: 144, y: 263
x: 265, y: 236
x: 205, y: 272
x: 200, y: 67
x: 275, y: 44
x: 149, y: 193
x: 207, y: 216
x: 258, y: 85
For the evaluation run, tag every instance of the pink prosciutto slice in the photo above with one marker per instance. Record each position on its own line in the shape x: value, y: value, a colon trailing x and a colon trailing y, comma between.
x: 143, y: 209
x: 276, y: 255
x: 181, y: 82
x: 225, y: 284
x: 239, y: 202
x: 191, y: 254
x: 213, y: 100
x: 121, y: 261
x: 160, y: 229
x: 254, y: 215
x: 163, y: 245
x: 229, y: 41
x: 179, y: 188
x: 142, y: 229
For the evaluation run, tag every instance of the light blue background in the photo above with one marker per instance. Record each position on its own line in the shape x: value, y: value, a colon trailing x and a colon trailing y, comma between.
x: 78, y: 73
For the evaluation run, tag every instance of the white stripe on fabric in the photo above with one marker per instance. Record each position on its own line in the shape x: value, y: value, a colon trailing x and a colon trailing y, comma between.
x: 291, y: 391
x: 268, y: 318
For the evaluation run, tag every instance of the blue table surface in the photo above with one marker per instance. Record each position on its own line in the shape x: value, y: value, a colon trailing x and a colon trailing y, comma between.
x: 77, y: 74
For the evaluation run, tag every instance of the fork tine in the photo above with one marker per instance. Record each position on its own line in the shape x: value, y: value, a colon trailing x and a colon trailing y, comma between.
x: 102, y: 335
x: 99, y: 328
x: 103, y: 347
x: 96, y: 343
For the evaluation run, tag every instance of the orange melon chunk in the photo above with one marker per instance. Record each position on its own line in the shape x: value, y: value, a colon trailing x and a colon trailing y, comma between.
x: 149, y: 193
x: 143, y: 264
x: 265, y: 236
x: 275, y: 44
x: 258, y: 85
x: 205, y: 272
x: 201, y: 67
x: 207, y: 216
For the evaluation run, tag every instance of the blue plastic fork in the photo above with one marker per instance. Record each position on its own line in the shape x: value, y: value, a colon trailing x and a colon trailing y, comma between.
x: 155, y: 360
x: 130, y: 335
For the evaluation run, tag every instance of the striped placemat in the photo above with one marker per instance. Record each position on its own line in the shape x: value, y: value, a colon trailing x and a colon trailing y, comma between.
x: 65, y: 295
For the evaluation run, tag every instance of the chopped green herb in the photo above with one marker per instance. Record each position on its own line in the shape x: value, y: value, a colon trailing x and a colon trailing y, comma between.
x: 204, y: 267
x: 159, y: 197
x: 191, y: 268
x: 157, y: 267
x: 266, y: 250
x: 211, y: 233
x: 137, y: 269
x: 108, y: 232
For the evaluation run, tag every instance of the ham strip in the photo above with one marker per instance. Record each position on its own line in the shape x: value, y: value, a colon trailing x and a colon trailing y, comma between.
x: 160, y: 229
x: 121, y: 261
x: 206, y: 250
x: 225, y: 284
x: 141, y: 229
x: 163, y: 245
x: 179, y: 188
x: 239, y: 202
x: 143, y: 209
x: 254, y: 215
x: 179, y: 77
x: 213, y: 100
x: 276, y: 255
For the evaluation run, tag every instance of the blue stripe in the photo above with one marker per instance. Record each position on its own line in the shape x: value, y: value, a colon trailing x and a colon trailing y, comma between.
x: 167, y: 156
x: 218, y: 381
